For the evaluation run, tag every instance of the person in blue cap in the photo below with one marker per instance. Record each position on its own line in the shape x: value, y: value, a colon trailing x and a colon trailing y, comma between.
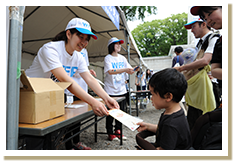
x: 116, y: 67
x: 61, y: 58
x: 207, y: 41
x: 199, y: 67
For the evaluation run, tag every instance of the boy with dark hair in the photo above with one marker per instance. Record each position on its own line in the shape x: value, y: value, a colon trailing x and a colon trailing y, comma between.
x: 178, y: 58
x: 172, y: 132
x: 178, y: 49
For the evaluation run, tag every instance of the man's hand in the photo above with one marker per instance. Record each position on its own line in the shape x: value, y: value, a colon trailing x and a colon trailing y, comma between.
x: 178, y: 68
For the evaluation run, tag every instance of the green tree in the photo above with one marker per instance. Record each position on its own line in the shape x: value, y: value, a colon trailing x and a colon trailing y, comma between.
x: 155, y: 38
x: 138, y: 12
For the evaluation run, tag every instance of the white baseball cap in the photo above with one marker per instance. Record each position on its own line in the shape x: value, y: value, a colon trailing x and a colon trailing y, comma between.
x: 195, y: 19
x: 82, y: 26
x: 115, y: 40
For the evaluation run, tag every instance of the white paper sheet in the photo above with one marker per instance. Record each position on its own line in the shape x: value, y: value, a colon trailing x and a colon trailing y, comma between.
x: 98, y: 98
x: 125, y: 118
x: 74, y: 106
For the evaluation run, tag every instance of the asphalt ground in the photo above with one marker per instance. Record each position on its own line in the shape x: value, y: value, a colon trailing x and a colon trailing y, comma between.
x: 149, y: 114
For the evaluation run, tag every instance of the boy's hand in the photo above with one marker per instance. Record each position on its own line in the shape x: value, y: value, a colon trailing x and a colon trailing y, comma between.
x: 142, y: 127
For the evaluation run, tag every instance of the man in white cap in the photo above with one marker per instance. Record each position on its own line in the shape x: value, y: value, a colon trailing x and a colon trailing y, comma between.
x: 205, y: 50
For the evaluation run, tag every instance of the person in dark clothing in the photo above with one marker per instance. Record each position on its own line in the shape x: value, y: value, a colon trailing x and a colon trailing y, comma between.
x: 178, y: 58
x: 172, y: 132
x: 213, y: 17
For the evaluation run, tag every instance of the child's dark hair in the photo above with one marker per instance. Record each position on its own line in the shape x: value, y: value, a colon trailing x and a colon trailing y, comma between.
x: 111, y: 48
x: 171, y: 81
x: 178, y: 49
x: 62, y: 35
x: 207, y: 9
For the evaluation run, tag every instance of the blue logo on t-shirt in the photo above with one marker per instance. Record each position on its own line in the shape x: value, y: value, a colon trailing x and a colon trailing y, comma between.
x: 118, y: 78
x: 84, y: 54
x: 70, y: 70
x: 118, y: 64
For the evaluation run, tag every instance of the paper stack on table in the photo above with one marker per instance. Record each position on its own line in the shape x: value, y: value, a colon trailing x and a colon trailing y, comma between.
x: 74, y: 106
x: 125, y: 118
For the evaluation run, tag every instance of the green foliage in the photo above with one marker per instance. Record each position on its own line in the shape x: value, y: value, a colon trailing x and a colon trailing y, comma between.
x: 131, y: 12
x: 155, y: 38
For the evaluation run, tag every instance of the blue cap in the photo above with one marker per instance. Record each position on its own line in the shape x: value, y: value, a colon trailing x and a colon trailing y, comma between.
x: 82, y: 26
x: 115, y: 40
x: 195, y: 19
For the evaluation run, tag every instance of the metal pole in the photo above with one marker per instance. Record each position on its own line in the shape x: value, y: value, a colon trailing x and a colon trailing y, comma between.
x: 140, y: 74
x: 13, y: 82
x: 128, y: 51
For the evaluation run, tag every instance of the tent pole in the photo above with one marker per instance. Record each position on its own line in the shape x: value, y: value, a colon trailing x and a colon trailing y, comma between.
x: 13, y: 73
x: 128, y: 51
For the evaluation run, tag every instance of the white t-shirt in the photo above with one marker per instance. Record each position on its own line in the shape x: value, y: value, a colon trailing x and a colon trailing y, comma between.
x: 54, y: 55
x: 77, y: 76
x: 211, y: 44
x: 115, y: 84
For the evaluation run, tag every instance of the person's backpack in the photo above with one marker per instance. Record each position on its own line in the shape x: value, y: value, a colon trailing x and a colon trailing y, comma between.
x: 207, y: 131
x: 177, y: 62
x: 206, y: 41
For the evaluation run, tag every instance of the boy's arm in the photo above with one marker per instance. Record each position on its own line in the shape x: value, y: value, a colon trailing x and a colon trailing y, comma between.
x: 152, y: 128
x: 147, y: 126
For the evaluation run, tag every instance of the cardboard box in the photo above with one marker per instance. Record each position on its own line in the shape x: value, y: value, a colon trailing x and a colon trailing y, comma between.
x: 41, y: 99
